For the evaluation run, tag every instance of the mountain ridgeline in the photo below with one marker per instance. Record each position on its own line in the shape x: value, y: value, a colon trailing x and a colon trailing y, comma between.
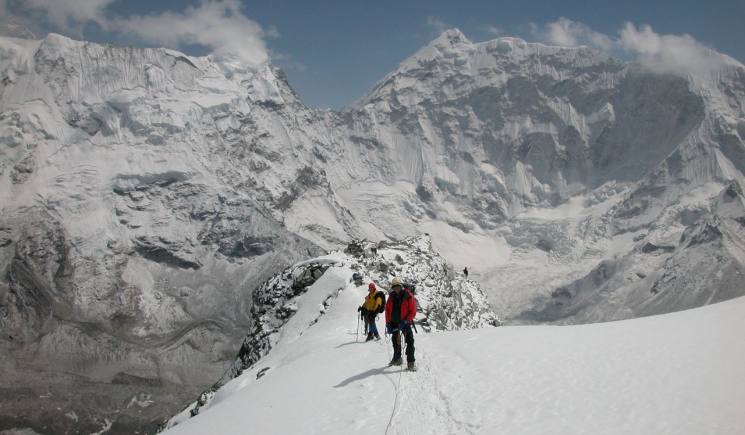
x: 446, y: 300
x: 145, y: 194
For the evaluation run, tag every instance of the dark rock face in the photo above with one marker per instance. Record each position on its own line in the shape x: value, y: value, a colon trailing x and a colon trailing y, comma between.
x: 269, y: 303
x: 355, y: 248
x: 706, y: 232
x: 248, y: 247
x: 271, y: 309
x: 37, y: 280
x: 163, y: 251
x: 651, y: 247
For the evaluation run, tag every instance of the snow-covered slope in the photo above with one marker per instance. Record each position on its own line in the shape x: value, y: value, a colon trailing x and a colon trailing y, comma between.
x: 445, y: 300
x: 681, y: 373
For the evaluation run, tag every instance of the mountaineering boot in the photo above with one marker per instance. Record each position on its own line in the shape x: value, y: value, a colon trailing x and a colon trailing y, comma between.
x: 369, y: 336
x: 377, y: 337
x: 396, y: 362
x: 411, y: 366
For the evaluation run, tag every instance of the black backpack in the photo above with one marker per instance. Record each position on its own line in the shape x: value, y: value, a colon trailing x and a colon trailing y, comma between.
x: 380, y: 295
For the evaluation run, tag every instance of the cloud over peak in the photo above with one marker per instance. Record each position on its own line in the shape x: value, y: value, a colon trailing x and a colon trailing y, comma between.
x: 69, y: 15
x: 217, y: 25
x: 674, y: 54
x: 669, y: 53
x: 436, y: 25
x: 572, y: 33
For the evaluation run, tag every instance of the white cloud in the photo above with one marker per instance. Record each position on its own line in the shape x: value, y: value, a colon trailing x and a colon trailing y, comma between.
x: 572, y: 33
x: 218, y: 25
x: 437, y: 25
x: 676, y: 54
x: 669, y: 53
x: 287, y: 62
x: 491, y: 30
x: 70, y: 15
x: 13, y: 25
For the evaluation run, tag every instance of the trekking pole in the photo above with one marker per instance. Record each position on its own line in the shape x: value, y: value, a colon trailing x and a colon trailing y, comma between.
x: 357, y: 335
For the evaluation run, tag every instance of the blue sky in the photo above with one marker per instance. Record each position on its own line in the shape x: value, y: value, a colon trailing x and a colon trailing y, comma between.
x: 334, y: 51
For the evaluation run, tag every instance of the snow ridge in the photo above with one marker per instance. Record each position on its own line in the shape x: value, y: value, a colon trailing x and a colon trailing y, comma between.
x: 445, y: 302
x: 679, y: 373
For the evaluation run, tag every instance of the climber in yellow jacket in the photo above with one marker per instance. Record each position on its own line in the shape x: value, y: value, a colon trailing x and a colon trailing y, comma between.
x: 374, y: 304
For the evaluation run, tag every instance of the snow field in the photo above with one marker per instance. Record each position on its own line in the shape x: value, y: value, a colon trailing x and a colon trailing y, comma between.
x: 680, y: 373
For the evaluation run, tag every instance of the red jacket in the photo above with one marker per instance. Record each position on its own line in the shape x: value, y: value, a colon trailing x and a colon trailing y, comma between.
x: 408, y: 307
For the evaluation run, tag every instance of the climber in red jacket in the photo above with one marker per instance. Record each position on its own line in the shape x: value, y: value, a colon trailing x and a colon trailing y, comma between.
x: 400, y: 310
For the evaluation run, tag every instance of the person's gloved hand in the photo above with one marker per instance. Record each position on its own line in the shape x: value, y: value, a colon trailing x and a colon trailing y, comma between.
x: 359, y: 308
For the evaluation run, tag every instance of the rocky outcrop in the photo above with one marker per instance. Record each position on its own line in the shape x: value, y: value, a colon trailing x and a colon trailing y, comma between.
x: 446, y: 300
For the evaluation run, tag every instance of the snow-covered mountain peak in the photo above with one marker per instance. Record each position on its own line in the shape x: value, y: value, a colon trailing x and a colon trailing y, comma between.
x: 702, y: 66
x: 451, y: 66
x: 449, y: 40
x: 137, y: 71
x: 61, y: 43
x: 452, y: 36
x: 452, y: 43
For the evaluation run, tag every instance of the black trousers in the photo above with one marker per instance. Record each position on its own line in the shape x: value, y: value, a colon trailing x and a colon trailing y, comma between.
x: 396, y: 339
x: 370, y: 326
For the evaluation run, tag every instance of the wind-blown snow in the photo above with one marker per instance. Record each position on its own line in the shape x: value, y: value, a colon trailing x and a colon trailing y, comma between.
x: 681, y: 373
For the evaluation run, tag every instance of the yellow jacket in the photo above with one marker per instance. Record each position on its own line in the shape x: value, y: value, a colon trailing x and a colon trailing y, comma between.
x: 371, y: 302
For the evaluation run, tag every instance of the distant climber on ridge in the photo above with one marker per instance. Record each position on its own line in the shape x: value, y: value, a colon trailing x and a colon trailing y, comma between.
x: 465, y: 271
x: 372, y: 306
x: 399, y: 318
